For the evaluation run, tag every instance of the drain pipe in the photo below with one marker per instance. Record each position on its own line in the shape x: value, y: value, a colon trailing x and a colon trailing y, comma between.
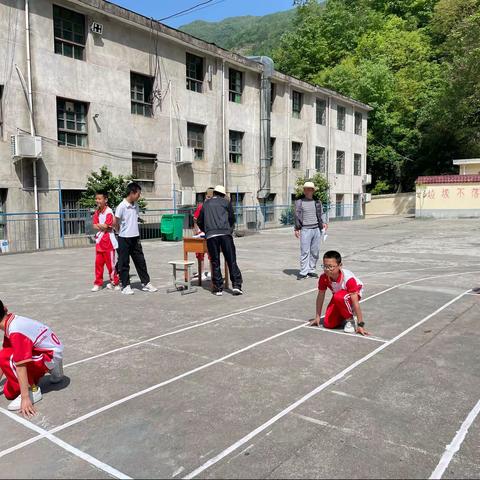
x: 224, y: 148
x: 32, y: 124
x: 265, y: 124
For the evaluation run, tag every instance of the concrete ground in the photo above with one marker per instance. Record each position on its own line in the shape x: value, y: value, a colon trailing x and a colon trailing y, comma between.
x: 164, y: 385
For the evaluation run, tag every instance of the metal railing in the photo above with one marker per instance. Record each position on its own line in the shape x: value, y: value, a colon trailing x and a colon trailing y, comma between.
x: 73, y: 228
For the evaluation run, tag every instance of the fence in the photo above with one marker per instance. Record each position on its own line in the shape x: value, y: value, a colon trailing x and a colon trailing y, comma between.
x: 73, y: 228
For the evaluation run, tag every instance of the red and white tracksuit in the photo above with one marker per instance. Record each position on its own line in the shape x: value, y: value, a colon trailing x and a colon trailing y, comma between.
x: 30, y: 343
x: 106, y: 245
x: 340, y: 307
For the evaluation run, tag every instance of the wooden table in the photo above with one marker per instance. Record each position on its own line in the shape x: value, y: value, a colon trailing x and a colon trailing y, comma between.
x: 199, y: 245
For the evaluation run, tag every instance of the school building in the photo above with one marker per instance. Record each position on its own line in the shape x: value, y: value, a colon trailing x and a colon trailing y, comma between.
x: 98, y: 85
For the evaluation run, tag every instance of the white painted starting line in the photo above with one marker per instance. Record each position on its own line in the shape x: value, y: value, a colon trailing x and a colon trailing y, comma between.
x: 314, y: 392
x: 457, y: 441
x: 251, y: 309
x: 66, y: 446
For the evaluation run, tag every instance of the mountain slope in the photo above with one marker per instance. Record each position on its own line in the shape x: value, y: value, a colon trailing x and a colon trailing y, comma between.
x: 247, y: 35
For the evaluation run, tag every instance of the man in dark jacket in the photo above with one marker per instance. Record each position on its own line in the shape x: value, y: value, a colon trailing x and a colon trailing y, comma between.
x: 309, y: 222
x: 217, y: 220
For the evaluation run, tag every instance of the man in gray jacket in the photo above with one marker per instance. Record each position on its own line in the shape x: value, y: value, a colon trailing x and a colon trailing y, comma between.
x: 217, y: 220
x: 309, y: 222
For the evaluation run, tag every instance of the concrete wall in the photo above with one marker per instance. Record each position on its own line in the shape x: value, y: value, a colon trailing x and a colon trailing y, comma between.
x: 394, y: 204
x: 103, y: 81
x: 448, y: 200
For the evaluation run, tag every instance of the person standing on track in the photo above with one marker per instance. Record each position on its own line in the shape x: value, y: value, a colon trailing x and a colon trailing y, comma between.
x: 217, y: 220
x: 309, y: 223
x: 126, y: 215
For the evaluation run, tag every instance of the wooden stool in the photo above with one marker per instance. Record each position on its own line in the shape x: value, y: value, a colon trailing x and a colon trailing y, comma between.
x: 179, y: 284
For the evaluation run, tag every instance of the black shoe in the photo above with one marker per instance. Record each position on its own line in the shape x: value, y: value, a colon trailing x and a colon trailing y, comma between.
x: 218, y: 293
x: 301, y: 277
x: 313, y: 275
x: 237, y: 291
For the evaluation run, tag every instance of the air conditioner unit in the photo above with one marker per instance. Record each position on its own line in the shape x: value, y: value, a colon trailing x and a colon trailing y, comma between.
x: 96, y: 28
x: 210, y: 73
x: 367, y: 179
x: 26, y: 146
x: 183, y: 155
x: 188, y: 197
x: 368, y: 197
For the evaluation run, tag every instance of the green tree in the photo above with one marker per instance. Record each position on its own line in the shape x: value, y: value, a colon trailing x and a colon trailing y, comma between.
x: 321, y: 193
x: 115, y: 186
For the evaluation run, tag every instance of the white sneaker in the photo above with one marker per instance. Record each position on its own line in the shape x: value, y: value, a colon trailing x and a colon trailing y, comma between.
x: 207, y: 275
x: 35, y: 396
x: 237, y: 291
x: 149, y: 288
x: 128, y: 290
x: 56, y: 373
x: 96, y: 288
x: 350, y: 326
x: 116, y: 288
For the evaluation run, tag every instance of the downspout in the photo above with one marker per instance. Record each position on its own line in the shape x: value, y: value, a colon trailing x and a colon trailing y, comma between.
x: 288, y: 156
x: 224, y: 148
x: 265, y: 124
x: 329, y: 152
x: 170, y: 144
x: 352, y: 165
x: 32, y: 124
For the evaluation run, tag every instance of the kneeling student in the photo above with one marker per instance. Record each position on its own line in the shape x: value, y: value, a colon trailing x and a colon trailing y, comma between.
x: 347, y: 289
x: 30, y: 350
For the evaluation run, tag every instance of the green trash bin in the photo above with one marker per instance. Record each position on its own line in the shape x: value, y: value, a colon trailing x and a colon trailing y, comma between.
x: 171, y: 227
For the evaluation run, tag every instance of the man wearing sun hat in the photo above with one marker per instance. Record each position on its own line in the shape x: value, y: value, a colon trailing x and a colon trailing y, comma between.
x: 217, y: 220
x: 309, y: 222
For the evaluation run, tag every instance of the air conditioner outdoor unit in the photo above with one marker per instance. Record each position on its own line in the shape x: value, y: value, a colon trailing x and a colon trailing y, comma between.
x: 368, y: 197
x: 188, y: 197
x: 184, y: 155
x: 26, y: 146
x: 367, y: 179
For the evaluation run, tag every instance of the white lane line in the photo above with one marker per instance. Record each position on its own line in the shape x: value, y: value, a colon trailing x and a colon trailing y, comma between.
x: 314, y: 392
x: 457, y: 441
x: 355, y: 335
x: 184, y: 329
x: 150, y: 389
x: 251, y: 309
x: 66, y: 446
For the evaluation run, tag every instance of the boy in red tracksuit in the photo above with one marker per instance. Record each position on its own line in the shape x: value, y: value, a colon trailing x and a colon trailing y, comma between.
x: 30, y: 350
x: 201, y: 256
x: 347, y: 290
x: 106, y: 243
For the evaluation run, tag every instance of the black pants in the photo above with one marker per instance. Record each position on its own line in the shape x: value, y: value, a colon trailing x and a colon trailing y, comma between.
x: 224, y: 244
x: 131, y: 247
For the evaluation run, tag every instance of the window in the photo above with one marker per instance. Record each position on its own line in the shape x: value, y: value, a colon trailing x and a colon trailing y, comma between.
x: 296, y: 104
x: 320, y: 165
x: 340, y: 163
x: 194, y: 66
x: 3, y: 218
x: 341, y: 112
x: 339, y: 205
x: 321, y: 111
x: 357, y: 164
x: 74, y: 218
x: 69, y: 33
x: 72, y: 123
x: 238, y: 206
x: 296, y: 154
x: 358, y: 123
x: 141, y: 88
x: 268, y: 207
x: 143, y: 170
x: 271, y: 154
x: 1, y: 111
x: 273, y: 95
x: 196, y: 140
x: 235, y: 146
x: 235, y: 85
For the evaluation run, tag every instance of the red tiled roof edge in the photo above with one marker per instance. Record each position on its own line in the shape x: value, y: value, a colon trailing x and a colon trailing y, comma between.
x: 448, y: 179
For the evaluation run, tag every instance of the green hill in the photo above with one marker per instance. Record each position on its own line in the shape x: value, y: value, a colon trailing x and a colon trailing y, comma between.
x: 247, y: 35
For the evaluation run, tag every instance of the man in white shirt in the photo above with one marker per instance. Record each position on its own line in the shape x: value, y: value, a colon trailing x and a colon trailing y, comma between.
x: 129, y: 245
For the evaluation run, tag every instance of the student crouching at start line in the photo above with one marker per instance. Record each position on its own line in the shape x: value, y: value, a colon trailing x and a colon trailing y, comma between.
x: 30, y: 350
